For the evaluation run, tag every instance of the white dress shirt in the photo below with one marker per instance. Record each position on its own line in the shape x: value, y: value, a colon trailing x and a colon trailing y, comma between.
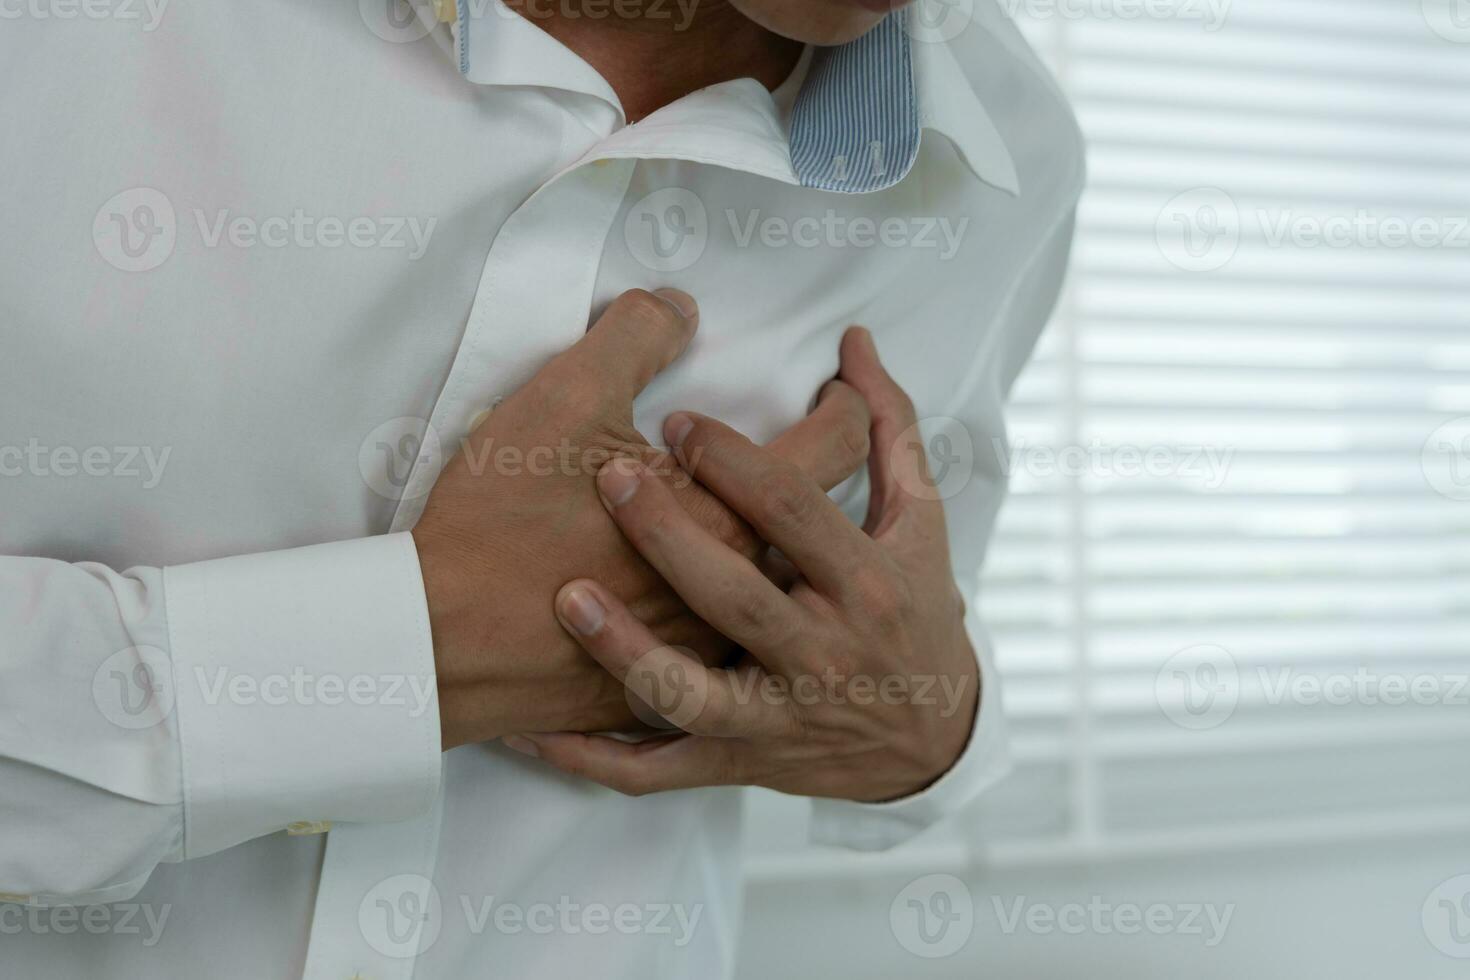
x: 258, y: 261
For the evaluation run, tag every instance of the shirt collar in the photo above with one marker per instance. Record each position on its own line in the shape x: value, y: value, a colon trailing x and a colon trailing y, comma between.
x: 855, y: 126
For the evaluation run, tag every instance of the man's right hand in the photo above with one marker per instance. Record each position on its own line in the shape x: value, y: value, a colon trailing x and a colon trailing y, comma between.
x: 496, y: 542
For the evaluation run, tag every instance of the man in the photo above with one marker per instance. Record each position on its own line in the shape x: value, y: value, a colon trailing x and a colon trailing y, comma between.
x: 335, y: 533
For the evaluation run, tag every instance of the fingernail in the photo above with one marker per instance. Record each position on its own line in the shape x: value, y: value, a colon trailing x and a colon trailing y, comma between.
x: 676, y: 428
x: 618, y: 481
x: 582, y: 611
x: 679, y: 300
x: 522, y: 745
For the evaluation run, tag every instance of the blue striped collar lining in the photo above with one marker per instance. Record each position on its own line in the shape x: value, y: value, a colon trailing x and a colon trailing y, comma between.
x: 855, y: 125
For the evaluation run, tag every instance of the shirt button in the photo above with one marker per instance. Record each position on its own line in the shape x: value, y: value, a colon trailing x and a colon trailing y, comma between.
x: 308, y: 828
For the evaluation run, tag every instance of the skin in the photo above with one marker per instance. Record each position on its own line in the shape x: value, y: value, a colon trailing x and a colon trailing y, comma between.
x: 496, y: 542
x: 876, y: 609
x: 697, y: 43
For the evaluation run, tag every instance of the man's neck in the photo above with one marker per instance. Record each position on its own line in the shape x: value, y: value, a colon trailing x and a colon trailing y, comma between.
x: 657, y: 51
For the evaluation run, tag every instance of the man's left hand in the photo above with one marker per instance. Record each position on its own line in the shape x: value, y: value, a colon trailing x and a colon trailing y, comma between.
x: 859, y: 683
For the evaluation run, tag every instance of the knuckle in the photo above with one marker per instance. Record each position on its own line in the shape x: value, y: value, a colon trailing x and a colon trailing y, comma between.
x: 643, y: 307
x: 853, y: 440
x: 701, y: 441
x: 724, y: 526
x: 714, y: 717
x: 787, y: 503
x: 634, y: 784
x: 879, y: 594
x: 751, y: 616
x: 652, y: 532
x: 901, y: 403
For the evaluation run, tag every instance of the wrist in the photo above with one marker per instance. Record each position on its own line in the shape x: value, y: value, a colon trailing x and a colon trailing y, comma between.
x: 443, y: 584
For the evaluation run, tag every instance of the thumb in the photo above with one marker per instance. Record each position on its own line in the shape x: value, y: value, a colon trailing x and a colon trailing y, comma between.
x: 640, y: 334
x: 898, y: 467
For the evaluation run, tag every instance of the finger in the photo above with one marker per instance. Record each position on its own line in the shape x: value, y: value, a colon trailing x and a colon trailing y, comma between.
x: 638, y: 336
x: 671, y: 682
x: 719, y: 586
x: 830, y: 444
x: 784, y: 505
x: 897, y: 466
x: 778, y: 570
x: 638, y: 768
x: 708, y: 511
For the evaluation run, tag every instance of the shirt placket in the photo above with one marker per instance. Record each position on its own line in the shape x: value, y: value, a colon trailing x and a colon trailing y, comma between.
x: 377, y: 907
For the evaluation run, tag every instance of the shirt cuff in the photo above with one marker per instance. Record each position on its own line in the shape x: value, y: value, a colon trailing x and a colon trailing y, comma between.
x: 305, y: 689
x: 983, y: 763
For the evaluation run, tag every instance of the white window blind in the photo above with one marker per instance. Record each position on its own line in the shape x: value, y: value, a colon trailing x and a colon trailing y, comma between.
x: 1225, y: 551
x: 1231, y: 592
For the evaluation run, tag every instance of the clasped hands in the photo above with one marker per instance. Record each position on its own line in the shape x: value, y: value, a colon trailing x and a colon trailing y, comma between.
x: 836, y: 665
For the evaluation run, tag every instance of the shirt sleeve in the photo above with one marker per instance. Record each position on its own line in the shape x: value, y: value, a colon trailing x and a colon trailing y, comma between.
x: 977, y: 414
x: 162, y: 714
